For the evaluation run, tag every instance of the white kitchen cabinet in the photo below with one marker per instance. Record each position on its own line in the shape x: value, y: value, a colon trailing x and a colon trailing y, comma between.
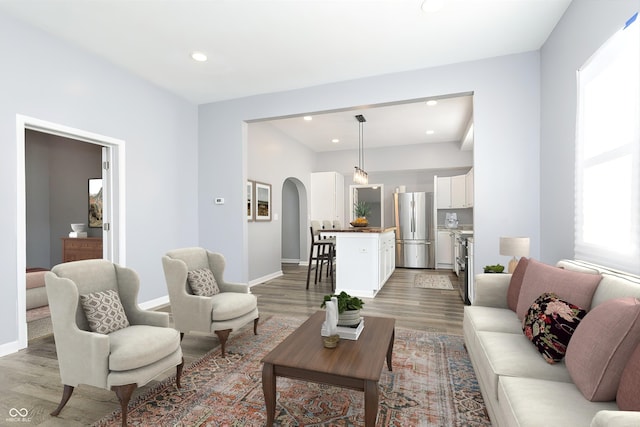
x: 364, y: 261
x: 469, y: 189
x: 443, y: 192
x: 327, y: 196
x: 458, y: 191
x: 444, y: 249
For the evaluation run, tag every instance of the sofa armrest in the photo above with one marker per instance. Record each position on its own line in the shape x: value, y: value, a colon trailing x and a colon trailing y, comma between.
x: 491, y: 289
x: 616, y: 419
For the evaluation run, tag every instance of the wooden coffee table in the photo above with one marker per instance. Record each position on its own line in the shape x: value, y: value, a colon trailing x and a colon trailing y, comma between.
x: 352, y: 364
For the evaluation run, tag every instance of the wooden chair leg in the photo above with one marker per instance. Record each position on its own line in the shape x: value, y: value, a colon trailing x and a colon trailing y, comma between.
x: 179, y: 373
x: 255, y: 326
x: 309, y: 267
x: 124, y: 393
x: 66, y: 394
x: 181, y: 336
x: 222, y: 336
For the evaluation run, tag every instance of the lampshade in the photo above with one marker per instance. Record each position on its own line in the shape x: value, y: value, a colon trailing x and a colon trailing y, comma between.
x: 514, y: 247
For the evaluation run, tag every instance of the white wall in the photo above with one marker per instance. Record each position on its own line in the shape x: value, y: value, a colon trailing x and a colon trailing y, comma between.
x: 506, y: 150
x: 272, y: 159
x: 582, y: 30
x: 43, y: 78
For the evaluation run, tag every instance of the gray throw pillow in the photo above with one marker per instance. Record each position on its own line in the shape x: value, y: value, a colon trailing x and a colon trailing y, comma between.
x: 203, y: 283
x: 104, y: 311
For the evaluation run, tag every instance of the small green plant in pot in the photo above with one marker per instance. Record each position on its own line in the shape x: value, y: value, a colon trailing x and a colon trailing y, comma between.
x: 348, y: 308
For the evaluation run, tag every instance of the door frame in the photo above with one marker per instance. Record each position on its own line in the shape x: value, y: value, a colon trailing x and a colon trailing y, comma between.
x: 114, y: 203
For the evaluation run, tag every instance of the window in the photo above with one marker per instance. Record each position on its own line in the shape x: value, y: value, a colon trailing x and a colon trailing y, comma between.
x: 607, y: 217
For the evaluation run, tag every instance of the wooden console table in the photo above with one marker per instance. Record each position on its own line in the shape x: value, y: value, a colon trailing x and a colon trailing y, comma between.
x: 75, y: 249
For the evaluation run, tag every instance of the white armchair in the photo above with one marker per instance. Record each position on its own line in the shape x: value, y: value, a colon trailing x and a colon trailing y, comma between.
x: 131, y: 346
x: 231, y: 307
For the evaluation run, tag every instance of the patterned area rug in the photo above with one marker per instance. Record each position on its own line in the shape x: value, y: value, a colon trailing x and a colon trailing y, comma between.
x: 432, y: 384
x: 432, y: 281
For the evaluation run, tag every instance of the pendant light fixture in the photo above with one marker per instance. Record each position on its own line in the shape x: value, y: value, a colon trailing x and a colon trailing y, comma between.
x: 359, y: 175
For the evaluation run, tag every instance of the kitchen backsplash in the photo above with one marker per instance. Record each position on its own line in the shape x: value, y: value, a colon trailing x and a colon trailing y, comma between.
x: 465, y: 217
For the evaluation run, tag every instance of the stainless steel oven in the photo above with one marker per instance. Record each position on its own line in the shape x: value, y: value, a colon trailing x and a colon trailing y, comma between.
x: 465, y: 271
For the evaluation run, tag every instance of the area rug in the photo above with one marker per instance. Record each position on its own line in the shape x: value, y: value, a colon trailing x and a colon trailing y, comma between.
x: 432, y: 281
x: 432, y: 384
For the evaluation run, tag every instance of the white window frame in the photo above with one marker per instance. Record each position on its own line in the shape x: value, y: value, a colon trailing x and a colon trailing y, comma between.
x: 607, y: 173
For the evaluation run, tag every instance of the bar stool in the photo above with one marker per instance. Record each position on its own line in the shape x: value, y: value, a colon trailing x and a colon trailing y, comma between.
x: 321, y: 252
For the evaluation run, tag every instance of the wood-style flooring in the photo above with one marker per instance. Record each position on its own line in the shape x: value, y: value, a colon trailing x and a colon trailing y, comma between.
x: 30, y: 378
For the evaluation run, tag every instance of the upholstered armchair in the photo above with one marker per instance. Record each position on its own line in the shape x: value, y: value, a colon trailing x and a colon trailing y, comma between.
x: 201, y: 300
x: 102, y: 337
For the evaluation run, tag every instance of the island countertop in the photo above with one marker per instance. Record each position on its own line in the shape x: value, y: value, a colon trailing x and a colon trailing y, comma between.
x: 359, y: 230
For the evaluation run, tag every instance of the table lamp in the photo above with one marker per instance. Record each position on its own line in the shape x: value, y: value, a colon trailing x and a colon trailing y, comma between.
x: 515, y: 247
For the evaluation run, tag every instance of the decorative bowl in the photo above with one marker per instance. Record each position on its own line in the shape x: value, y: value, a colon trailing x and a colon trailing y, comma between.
x: 79, y: 227
x: 331, y: 341
x: 359, y: 224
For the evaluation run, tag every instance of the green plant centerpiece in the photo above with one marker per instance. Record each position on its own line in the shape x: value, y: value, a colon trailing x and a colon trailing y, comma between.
x: 348, y: 308
x: 360, y: 211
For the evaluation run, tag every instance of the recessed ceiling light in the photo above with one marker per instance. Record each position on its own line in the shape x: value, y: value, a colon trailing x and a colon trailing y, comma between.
x: 432, y: 102
x: 431, y: 132
x: 335, y: 140
x: 308, y: 118
x: 198, y: 56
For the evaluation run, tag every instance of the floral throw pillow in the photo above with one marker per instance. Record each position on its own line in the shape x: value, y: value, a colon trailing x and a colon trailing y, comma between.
x: 549, y: 324
x: 203, y: 283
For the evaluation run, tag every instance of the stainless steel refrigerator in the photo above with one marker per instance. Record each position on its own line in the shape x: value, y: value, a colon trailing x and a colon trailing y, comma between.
x: 413, y: 213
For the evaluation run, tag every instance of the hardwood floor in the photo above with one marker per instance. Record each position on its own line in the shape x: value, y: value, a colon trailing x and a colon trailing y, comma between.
x: 30, y: 377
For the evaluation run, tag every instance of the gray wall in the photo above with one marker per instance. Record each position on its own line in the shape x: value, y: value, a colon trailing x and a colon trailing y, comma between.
x: 506, y: 149
x: 46, y: 79
x: 57, y: 171
x: 584, y: 27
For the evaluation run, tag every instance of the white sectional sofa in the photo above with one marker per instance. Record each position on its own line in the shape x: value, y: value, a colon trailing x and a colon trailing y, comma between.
x: 519, y: 387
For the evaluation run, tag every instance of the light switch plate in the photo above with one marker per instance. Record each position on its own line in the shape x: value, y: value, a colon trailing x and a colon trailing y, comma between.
x: 219, y: 201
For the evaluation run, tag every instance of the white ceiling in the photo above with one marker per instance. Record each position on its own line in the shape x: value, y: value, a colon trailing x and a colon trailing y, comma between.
x: 264, y: 46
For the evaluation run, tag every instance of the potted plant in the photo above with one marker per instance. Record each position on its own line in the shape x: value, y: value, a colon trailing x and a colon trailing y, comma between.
x: 360, y: 211
x: 348, y: 308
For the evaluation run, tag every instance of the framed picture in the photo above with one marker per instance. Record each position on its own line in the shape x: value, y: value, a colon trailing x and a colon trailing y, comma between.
x: 95, y: 202
x: 263, y: 201
x: 250, y: 195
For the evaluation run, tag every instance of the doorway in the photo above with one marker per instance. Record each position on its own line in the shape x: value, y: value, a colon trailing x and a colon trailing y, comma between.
x: 294, y: 224
x: 112, y: 175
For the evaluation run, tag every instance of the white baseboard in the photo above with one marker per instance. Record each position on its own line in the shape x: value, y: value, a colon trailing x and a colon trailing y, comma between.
x: 9, y: 348
x: 155, y: 303
x: 265, y: 278
x: 290, y: 261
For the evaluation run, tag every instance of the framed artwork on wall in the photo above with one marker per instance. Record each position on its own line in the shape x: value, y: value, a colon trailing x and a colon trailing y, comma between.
x: 262, y: 196
x: 95, y: 202
x: 250, y: 193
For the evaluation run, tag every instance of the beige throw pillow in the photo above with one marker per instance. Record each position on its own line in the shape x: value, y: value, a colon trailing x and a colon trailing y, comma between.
x: 203, y: 283
x: 104, y: 311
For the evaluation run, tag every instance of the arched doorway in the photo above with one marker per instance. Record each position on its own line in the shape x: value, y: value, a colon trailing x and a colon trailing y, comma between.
x: 294, y: 222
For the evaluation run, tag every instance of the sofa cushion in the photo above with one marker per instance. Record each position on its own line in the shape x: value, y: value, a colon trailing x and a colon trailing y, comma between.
x: 628, y: 395
x: 516, y: 283
x: 491, y: 319
x: 202, y: 282
x: 140, y: 345
x: 573, y: 286
x: 601, y: 346
x: 104, y: 311
x: 549, y: 325
x: 512, y: 355
x: 532, y: 402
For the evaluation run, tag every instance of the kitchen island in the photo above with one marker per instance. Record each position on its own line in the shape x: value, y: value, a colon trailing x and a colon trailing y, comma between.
x: 365, y: 259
